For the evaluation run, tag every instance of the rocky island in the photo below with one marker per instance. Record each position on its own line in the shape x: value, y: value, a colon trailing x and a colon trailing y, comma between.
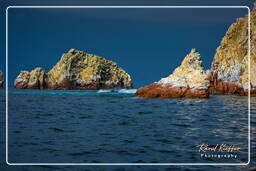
x: 189, y: 80
x: 1, y: 79
x: 229, y: 72
x: 76, y: 70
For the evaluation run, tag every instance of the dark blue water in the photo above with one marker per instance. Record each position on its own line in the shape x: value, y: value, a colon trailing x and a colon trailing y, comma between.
x: 116, y: 127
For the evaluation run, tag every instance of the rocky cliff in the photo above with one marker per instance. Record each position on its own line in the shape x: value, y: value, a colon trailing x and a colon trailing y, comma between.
x: 189, y: 80
x: 76, y: 70
x: 229, y: 72
x: 1, y: 79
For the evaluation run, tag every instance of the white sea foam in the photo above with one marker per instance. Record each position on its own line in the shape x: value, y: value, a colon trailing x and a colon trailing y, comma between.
x: 104, y: 91
x: 122, y: 91
x: 127, y: 91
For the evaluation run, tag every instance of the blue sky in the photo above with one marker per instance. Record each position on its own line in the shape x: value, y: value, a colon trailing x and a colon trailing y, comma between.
x: 147, y: 43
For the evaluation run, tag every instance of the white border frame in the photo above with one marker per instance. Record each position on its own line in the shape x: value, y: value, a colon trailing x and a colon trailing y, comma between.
x: 196, y: 164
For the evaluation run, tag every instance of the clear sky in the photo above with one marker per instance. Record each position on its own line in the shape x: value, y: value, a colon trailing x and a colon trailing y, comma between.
x: 147, y: 43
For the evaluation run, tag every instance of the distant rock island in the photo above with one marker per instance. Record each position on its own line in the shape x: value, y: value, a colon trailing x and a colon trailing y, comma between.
x: 229, y: 72
x: 189, y: 80
x: 76, y: 70
x: 1, y: 80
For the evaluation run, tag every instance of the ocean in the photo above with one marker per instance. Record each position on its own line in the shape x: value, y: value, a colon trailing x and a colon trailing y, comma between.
x: 114, y: 126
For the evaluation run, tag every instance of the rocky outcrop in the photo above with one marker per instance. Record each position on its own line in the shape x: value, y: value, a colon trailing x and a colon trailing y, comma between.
x: 36, y: 79
x: 78, y: 70
x: 189, y: 80
x: 1, y: 79
x: 229, y: 72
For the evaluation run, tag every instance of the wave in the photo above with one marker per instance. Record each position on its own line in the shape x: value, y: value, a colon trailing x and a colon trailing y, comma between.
x: 121, y: 91
x: 104, y: 91
x: 127, y: 91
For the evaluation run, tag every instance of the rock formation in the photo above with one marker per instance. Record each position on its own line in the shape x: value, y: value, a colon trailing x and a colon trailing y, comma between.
x: 189, y: 80
x: 229, y: 72
x: 76, y: 70
x: 36, y: 79
x: 1, y: 79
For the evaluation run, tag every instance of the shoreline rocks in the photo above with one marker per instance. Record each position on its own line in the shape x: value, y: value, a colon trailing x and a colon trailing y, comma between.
x: 229, y: 71
x: 76, y: 70
x: 1, y: 79
x: 164, y: 91
x: 189, y: 80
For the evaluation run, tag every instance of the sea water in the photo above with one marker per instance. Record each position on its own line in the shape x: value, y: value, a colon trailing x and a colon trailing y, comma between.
x: 114, y: 126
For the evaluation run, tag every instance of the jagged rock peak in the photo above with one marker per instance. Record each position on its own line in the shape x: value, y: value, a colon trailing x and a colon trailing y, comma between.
x: 189, y: 74
x: 193, y: 60
x: 188, y: 80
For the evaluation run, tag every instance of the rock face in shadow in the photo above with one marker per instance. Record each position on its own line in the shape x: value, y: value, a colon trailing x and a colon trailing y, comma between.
x: 229, y: 71
x: 76, y: 70
x: 189, y: 80
x: 1, y: 79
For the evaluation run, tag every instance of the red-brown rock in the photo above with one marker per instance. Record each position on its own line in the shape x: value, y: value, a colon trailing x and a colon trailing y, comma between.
x: 222, y: 87
x: 165, y: 91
